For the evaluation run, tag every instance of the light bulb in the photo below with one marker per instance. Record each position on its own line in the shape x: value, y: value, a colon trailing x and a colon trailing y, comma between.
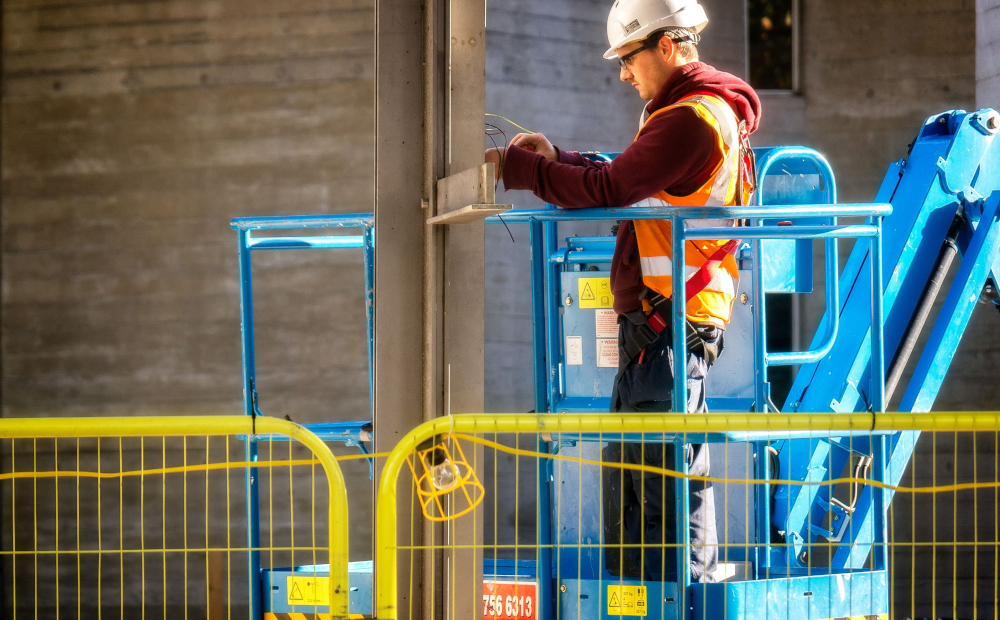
x: 445, y: 475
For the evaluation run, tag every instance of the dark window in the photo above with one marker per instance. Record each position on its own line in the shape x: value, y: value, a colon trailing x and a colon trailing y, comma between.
x: 770, y: 24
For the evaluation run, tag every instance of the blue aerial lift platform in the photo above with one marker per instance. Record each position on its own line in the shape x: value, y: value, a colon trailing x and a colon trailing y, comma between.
x: 802, y: 551
x: 268, y: 586
x: 805, y: 552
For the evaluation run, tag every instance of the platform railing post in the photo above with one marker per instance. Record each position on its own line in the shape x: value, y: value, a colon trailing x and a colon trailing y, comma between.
x: 550, y: 244
x: 250, y: 444
x: 762, y: 501
x: 682, y: 534
x: 679, y: 318
x: 679, y: 405
x: 543, y: 504
x: 759, y: 312
x: 538, y: 331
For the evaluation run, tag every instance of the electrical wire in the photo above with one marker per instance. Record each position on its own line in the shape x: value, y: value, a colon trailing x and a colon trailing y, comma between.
x: 501, y: 154
x: 946, y: 488
x: 270, y: 464
x: 511, y: 122
x: 183, y: 468
x: 503, y: 158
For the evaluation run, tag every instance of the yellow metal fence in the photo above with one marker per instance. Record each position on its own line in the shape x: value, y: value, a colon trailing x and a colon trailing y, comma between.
x: 145, y: 517
x: 942, y: 546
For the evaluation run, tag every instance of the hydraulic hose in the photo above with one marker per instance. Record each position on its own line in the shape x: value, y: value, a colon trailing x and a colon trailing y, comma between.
x: 924, y: 305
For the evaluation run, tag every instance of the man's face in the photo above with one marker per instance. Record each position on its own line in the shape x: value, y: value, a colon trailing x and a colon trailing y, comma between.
x: 649, y: 69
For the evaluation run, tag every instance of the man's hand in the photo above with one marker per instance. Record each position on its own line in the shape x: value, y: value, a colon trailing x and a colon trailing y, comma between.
x: 528, y: 141
x: 536, y: 142
x: 495, y: 156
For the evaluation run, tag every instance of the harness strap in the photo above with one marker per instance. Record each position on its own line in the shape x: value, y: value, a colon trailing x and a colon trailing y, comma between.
x: 648, y: 330
x: 703, y: 277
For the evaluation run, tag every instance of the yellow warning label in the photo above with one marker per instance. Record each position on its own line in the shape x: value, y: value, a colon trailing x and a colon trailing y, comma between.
x: 308, y: 590
x: 596, y: 293
x: 269, y: 615
x: 626, y: 600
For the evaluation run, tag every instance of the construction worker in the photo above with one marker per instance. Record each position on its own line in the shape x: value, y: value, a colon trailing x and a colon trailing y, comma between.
x: 691, y: 150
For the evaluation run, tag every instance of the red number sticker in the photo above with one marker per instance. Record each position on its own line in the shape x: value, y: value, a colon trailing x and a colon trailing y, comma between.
x: 509, y: 600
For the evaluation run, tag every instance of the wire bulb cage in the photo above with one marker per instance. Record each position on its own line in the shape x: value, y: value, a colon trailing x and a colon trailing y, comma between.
x: 447, y: 485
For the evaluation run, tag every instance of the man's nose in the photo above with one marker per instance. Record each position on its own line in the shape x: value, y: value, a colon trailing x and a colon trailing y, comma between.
x: 624, y: 74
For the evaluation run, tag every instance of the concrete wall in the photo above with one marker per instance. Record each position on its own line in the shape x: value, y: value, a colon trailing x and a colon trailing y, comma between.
x: 987, y: 54
x: 132, y: 133
x: 873, y: 71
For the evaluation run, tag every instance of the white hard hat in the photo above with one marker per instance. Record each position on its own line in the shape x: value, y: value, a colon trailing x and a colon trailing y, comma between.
x: 634, y: 20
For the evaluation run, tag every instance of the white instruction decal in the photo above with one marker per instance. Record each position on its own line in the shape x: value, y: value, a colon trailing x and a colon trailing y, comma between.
x: 607, y: 353
x: 574, y: 350
x: 607, y: 323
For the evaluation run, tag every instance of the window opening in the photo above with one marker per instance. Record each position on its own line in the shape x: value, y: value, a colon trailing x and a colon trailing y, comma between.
x: 771, y: 43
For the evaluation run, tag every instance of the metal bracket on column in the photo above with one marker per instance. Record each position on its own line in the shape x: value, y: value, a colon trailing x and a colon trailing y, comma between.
x: 467, y: 197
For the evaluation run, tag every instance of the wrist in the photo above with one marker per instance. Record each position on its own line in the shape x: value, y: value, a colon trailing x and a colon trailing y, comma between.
x: 518, y: 166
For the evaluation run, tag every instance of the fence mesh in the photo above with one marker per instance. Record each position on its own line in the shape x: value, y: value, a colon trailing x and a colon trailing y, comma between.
x: 151, y: 526
x: 861, y: 524
x: 810, y: 523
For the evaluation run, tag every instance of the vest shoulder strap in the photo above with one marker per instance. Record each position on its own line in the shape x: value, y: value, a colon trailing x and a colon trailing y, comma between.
x: 693, y: 99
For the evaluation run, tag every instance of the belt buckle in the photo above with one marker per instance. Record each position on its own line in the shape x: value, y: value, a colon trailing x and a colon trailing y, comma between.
x: 648, y: 333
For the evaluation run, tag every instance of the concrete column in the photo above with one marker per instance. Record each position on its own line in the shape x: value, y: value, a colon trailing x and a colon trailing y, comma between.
x: 429, y: 299
x: 464, y: 244
x: 988, y: 53
x: 399, y: 246
x: 464, y: 286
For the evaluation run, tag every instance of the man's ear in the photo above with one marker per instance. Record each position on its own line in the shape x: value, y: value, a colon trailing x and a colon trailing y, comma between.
x: 668, y: 48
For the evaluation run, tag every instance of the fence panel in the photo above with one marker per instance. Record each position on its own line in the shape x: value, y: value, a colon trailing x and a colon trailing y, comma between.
x: 146, y: 517
x: 818, y: 516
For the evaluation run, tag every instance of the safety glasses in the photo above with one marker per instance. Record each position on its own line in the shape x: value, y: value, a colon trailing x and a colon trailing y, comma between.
x: 651, y: 42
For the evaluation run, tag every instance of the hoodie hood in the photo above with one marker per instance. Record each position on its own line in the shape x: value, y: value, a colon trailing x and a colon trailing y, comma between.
x: 699, y: 77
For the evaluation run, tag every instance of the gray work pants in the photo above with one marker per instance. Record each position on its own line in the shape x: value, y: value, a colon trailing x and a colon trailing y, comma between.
x: 639, y: 506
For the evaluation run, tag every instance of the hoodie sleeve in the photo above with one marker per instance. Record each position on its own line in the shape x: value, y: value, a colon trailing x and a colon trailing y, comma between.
x: 573, y: 158
x: 676, y: 151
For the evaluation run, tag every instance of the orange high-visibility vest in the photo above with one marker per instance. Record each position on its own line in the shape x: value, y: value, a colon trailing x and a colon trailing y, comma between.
x: 709, y: 266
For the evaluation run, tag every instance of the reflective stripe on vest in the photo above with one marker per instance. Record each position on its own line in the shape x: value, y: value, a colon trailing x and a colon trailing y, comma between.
x: 712, y: 304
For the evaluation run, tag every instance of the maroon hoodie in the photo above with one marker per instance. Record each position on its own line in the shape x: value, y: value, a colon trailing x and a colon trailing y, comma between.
x: 676, y: 152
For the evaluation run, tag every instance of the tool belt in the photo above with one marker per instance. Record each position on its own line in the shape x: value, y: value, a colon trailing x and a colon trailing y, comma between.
x: 649, y: 328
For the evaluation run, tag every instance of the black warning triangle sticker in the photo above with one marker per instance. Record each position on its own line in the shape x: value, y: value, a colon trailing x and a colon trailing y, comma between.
x: 587, y: 295
x: 295, y: 594
x: 614, y: 600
